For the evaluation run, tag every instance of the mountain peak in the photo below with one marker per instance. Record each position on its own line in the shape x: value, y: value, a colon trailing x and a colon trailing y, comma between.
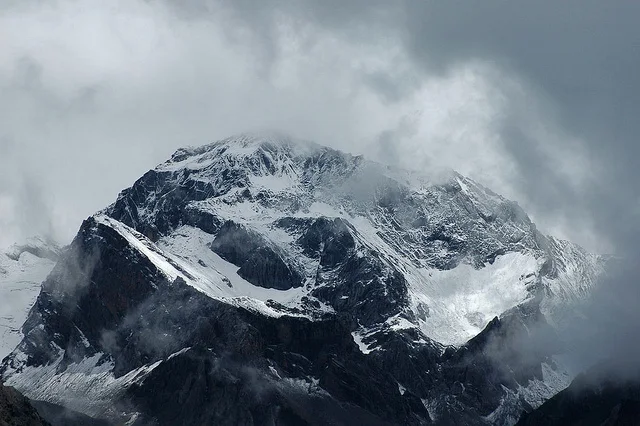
x: 247, y: 144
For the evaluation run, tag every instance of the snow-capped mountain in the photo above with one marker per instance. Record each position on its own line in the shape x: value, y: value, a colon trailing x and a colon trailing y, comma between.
x: 467, y: 254
x: 259, y: 279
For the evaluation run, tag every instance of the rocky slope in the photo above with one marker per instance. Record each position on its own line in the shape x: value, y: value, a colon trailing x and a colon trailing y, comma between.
x: 257, y: 280
x: 596, y: 397
x: 16, y: 410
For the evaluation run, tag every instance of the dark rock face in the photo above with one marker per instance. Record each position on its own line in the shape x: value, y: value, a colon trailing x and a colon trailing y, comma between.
x: 375, y: 291
x: 16, y: 410
x: 593, y: 399
x: 265, y: 268
x: 169, y: 195
x: 97, y: 282
x: 232, y: 373
x: 242, y: 368
x: 216, y: 389
x: 235, y: 243
x: 259, y: 262
x: 505, y: 354
x: 329, y: 240
x: 57, y: 415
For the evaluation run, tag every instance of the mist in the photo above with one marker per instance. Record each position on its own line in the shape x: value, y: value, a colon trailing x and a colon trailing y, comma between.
x: 538, y: 102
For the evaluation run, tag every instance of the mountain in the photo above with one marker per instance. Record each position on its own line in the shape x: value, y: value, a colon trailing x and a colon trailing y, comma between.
x: 261, y: 280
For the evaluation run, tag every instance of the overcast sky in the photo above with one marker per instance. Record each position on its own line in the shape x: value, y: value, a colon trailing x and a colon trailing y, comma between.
x: 538, y: 100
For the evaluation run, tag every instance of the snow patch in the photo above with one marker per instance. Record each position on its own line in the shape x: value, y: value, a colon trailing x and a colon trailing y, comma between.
x: 358, y: 339
x: 401, y: 389
x: 180, y: 352
x: 89, y: 387
x: 461, y: 301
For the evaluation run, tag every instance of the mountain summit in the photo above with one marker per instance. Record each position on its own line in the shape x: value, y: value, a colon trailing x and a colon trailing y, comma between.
x: 261, y: 280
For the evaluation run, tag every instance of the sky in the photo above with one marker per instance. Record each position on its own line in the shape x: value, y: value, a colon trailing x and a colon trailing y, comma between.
x: 536, y: 100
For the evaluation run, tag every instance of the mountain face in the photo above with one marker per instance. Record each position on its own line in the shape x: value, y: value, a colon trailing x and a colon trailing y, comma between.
x: 258, y: 280
x: 15, y: 409
x: 596, y: 397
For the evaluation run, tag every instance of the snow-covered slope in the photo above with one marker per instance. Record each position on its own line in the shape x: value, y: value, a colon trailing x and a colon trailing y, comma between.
x: 407, y: 280
x: 23, y: 267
